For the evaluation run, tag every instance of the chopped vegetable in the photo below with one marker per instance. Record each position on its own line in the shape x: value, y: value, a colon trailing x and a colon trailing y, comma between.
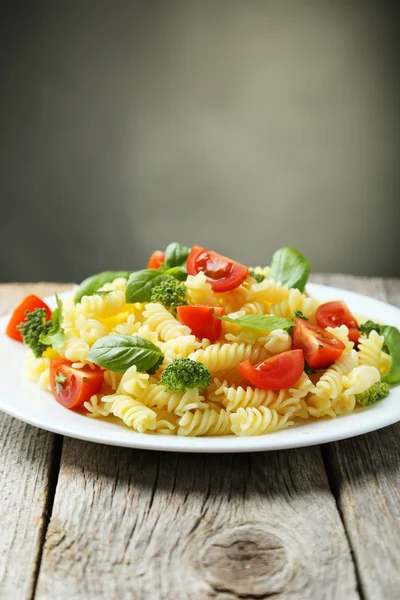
x: 375, y: 393
x: 72, y: 387
x: 223, y: 274
x: 32, y: 328
x: 28, y: 304
x: 156, y: 260
x: 170, y: 293
x: 202, y: 320
x: 277, y: 373
x: 185, y: 374
x: 321, y: 348
x: 334, y: 314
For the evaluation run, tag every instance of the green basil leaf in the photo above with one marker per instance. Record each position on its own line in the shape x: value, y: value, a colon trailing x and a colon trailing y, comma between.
x: 263, y: 322
x: 290, y: 268
x: 118, y: 352
x: 94, y: 282
x: 176, y: 254
x: 141, y: 283
x: 180, y: 273
x: 392, y: 341
x: 56, y: 336
x: 368, y: 326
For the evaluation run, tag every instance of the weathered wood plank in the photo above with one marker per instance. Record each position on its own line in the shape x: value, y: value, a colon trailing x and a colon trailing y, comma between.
x: 25, y: 480
x: 365, y: 474
x: 152, y: 526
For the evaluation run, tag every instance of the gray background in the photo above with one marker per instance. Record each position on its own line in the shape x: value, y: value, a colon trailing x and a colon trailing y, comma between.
x: 242, y: 126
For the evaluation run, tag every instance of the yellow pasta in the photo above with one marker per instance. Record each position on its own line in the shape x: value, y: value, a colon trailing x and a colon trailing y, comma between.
x: 199, y: 291
x: 222, y: 357
x: 258, y: 421
x: 102, y: 306
x: 207, y: 422
x: 132, y: 412
x: 295, y: 301
x: 160, y: 321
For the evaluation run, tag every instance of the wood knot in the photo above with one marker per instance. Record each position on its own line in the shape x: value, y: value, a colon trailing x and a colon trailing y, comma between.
x: 247, y: 560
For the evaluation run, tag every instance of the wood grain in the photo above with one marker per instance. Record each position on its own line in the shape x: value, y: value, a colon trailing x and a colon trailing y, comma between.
x: 25, y: 482
x: 365, y: 473
x: 145, y: 525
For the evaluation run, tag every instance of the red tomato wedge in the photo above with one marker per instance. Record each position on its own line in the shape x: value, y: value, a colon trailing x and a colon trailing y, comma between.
x: 224, y: 274
x: 200, y: 318
x: 29, y: 303
x: 72, y: 387
x: 156, y: 260
x: 321, y: 348
x: 277, y: 373
x: 334, y: 314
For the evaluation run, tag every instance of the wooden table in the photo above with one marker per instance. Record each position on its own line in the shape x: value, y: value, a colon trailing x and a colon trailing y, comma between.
x: 82, y: 520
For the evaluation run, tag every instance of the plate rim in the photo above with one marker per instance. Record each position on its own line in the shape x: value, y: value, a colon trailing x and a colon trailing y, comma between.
x: 223, y: 444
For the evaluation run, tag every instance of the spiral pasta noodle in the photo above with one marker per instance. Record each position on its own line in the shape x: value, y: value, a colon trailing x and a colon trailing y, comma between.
x: 207, y: 422
x: 102, y: 306
x: 199, y: 291
x: 160, y: 321
x: 295, y: 301
x: 222, y: 357
x: 258, y: 421
x: 370, y: 352
x: 132, y: 412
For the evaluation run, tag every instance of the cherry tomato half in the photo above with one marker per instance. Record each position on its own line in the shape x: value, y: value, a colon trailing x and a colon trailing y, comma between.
x: 72, y: 387
x: 224, y: 274
x: 334, y: 314
x: 277, y: 373
x: 200, y: 318
x: 29, y: 303
x: 156, y: 260
x: 321, y: 348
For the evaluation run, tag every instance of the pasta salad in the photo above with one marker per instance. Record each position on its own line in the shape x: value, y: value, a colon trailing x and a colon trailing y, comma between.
x: 198, y: 344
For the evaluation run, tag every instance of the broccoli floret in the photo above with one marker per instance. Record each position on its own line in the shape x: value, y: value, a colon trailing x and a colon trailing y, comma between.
x: 171, y: 293
x: 34, y: 325
x: 368, y: 326
x: 257, y: 276
x: 299, y: 315
x: 185, y: 374
x: 154, y: 368
x: 375, y: 393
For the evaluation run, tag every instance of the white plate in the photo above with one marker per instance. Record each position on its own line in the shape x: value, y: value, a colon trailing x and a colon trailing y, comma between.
x: 22, y: 399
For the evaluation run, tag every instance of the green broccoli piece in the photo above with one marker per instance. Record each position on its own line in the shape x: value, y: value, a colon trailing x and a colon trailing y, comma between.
x: 257, y: 276
x: 154, y: 368
x: 368, y: 326
x: 170, y: 292
x: 375, y: 393
x: 34, y: 325
x: 299, y: 315
x: 185, y: 374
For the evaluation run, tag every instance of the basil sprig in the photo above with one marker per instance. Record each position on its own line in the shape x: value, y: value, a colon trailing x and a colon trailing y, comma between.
x: 94, y: 282
x: 289, y: 267
x: 56, y: 336
x: 118, y: 352
x: 262, y: 322
x: 176, y: 254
